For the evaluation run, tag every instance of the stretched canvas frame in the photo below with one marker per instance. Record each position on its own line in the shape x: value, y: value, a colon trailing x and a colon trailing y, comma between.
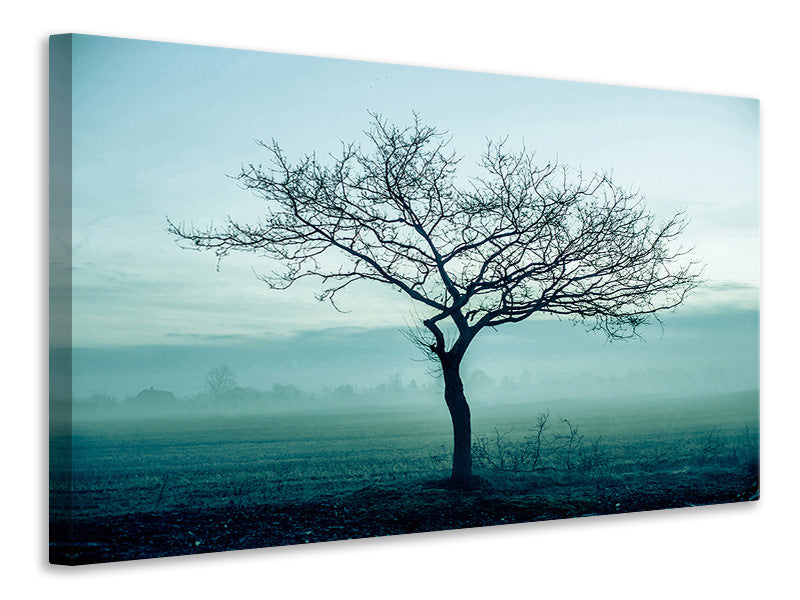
x: 195, y: 409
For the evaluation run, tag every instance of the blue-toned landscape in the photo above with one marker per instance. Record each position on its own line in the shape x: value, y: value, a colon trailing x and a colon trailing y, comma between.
x: 554, y: 309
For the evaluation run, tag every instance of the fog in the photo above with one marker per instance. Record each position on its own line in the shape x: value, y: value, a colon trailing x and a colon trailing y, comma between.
x: 698, y: 353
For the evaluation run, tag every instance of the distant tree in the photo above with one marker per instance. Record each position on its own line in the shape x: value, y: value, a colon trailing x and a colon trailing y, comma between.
x: 102, y: 399
x: 519, y: 240
x: 220, y: 380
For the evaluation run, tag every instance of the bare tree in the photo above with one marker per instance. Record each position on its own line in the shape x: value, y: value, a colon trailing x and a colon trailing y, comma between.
x: 220, y: 380
x: 520, y: 240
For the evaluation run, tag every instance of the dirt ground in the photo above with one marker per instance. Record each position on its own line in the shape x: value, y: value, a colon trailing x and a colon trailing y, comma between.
x: 382, y: 510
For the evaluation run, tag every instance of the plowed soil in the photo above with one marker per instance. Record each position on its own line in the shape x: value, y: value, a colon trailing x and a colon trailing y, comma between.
x: 383, y: 510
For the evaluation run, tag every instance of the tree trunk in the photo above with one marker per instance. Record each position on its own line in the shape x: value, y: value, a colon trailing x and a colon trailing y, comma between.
x: 462, y: 428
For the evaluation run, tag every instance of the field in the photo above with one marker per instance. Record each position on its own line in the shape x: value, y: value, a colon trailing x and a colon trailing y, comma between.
x: 154, y: 488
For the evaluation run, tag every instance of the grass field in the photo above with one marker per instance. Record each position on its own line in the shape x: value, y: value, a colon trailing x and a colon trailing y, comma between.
x: 127, y: 468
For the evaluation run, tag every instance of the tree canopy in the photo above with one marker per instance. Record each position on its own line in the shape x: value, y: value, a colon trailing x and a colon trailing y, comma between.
x: 519, y: 240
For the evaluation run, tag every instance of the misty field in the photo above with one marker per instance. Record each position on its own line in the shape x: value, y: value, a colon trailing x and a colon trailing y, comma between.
x: 161, y: 487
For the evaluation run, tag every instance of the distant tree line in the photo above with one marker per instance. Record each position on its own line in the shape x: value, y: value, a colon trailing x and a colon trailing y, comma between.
x: 222, y: 396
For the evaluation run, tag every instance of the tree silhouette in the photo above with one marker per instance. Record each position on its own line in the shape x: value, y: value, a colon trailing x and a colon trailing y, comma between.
x: 220, y: 380
x: 519, y: 240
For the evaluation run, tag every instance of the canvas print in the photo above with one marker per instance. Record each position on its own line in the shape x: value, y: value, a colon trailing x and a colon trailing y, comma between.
x: 296, y: 299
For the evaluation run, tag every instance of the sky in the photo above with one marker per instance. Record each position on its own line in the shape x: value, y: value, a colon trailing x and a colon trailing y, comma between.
x: 159, y: 128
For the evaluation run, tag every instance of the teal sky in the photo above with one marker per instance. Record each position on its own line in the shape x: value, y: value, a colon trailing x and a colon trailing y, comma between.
x: 158, y: 127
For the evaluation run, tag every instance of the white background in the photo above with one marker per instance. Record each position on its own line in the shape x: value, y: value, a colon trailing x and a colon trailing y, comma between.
x: 731, y: 48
